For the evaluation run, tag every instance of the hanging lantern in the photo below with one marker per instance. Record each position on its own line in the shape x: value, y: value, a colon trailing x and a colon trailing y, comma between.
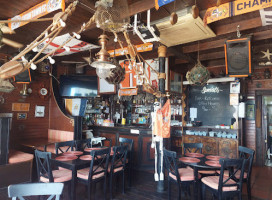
x: 199, y: 75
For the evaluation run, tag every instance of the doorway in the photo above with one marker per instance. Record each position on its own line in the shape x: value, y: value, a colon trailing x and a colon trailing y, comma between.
x: 267, y: 128
x: 263, y: 127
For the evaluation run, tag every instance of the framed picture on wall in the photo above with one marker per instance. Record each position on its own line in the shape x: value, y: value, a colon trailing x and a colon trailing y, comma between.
x: 250, y: 110
x: 105, y: 88
x: 175, y: 82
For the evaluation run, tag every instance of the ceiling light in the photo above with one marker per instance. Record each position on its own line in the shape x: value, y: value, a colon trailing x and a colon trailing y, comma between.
x: 103, y: 57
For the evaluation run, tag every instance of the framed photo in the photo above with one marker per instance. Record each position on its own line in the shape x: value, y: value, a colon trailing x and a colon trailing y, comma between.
x: 39, y: 111
x: 21, y: 116
x: 105, y: 88
x: 235, y: 87
x: 250, y: 110
x: 175, y: 82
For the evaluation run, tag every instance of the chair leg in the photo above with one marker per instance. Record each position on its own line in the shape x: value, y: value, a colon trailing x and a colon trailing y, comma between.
x: 169, y: 189
x: 248, y: 190
x: 129, y: 175
x: 105, y: 188
x: 240, y: 196
x: 123, y: 191
x: 89, y: 191
x: 179, y: 191
x: 203, y: 191
x: 111, y: 177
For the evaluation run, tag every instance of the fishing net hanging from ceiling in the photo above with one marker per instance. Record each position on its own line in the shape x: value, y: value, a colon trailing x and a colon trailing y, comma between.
x: 112, y: 16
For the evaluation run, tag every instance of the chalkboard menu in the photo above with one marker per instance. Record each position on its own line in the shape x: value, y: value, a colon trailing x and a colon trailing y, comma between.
x: 212, y: 104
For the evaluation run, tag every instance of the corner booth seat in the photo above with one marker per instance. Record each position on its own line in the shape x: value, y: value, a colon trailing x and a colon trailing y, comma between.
x: 18, y: 169
x: 57, y: 135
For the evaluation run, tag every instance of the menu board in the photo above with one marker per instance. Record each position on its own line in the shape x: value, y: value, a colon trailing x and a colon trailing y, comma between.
x: 211, y: 103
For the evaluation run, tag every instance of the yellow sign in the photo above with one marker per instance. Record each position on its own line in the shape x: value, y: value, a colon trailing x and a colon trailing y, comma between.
x: 37, y: 11
x: 140, y: 48
x: 234, y: 8
x: 20, y: 107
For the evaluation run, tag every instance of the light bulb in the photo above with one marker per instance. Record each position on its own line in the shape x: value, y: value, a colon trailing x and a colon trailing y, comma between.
x: 66, y: 48
x: 24, y: 60
x: 51, y: 60
x: 103, y: 73
x: 115, y: 39
x: 33, y: 66
x: 35, y: 49
x: 77, y: 35
x: 62, y: 23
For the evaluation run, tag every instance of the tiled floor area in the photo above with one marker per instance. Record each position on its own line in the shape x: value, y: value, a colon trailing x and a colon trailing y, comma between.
x: 144, y: 188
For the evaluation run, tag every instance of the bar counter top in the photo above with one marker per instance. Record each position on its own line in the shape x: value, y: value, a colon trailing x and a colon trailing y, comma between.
x: 128, y: 129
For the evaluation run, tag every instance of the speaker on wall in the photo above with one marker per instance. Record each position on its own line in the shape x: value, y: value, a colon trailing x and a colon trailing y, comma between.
x: 24, y: 77
x: 238, y: 57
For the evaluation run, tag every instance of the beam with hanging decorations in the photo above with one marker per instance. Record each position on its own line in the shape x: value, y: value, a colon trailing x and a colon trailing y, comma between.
x: 234, y: 8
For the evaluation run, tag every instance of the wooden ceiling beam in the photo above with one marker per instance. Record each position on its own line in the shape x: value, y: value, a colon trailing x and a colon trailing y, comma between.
x: 212, y: 56
x: 232, y: 27
x: 257, y: 36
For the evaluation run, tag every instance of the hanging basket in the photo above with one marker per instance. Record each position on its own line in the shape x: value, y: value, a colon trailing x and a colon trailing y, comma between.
x: 199, y: 75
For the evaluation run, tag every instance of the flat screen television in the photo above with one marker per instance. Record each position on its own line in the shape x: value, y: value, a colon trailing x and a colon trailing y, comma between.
x: 78, y: 86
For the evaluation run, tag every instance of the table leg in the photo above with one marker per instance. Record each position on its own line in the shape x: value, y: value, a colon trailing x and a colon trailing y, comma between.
x: 73, y: 183
x: 196, y: 183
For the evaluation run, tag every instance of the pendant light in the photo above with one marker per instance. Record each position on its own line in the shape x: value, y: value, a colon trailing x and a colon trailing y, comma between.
x: 103, y: 63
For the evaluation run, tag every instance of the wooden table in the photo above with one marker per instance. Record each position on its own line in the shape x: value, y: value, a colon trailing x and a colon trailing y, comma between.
x: 38, y: 142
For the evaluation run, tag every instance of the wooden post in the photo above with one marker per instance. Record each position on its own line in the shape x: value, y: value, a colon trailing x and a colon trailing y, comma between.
x: 162, y: 54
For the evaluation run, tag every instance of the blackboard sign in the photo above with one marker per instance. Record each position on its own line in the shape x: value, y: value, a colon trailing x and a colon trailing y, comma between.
x: 212, y: 103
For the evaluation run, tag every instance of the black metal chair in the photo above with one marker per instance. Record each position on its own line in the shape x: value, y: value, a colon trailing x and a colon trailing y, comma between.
x: 45, y: 172
x: 35, y: 189
x: 62, y: 147
x: 248, y: 155
x: 96, y: 172
x: 82, y: 144
x: 180, y: 176
x: 130, y: 144
x: 226, y: 186
x: 118, y: 165
x: 192, y: 147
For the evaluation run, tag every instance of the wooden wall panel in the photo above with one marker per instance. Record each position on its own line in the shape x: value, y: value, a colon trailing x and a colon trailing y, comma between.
x: 32, y: 127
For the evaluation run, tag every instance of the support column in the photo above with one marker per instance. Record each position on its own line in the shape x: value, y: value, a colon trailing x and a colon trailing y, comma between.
x: 162, y: 54
x: 78, y: 127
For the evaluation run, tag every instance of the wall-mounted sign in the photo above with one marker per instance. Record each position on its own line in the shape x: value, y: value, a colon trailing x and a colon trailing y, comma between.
x: 21, y: 116
x: 37, y: 11
x: 234, y: 8
x: 127, y: 92
x: 140, y: 48
x: 130, y: 79
x: 20, y: 107
x: 39, y: 111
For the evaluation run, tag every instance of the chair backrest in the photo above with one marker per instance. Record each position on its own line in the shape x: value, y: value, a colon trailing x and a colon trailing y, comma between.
x: 35, y: 189
x: 192, y: 147
x: 43, y: 165
x: 130, y: 143
x: 248, y: 155
x: 83, y: 144
x: 99, y: 163
x: 233, y: 167
x: 119, y: 158
x: 62, y: 147
x: 171, y: 166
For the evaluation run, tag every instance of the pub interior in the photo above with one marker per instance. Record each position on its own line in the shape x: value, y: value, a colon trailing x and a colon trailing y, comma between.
x: 167, y: 99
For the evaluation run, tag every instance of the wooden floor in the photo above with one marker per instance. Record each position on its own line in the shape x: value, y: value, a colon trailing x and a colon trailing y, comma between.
x: 144, y: 188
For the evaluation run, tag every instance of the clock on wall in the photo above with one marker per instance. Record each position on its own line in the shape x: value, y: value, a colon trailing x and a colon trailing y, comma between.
x: 43, y: 92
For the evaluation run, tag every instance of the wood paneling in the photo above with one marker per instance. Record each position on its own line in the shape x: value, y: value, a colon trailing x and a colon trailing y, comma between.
x: 32, y: 127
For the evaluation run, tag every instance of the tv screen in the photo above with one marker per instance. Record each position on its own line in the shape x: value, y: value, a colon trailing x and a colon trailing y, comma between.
x: 78, y: 86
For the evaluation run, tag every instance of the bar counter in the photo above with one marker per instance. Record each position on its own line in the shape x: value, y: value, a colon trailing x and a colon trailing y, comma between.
x: 143, y: 154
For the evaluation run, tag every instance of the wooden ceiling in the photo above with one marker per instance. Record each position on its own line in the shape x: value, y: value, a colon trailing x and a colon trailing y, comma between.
x: 211, y: 50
